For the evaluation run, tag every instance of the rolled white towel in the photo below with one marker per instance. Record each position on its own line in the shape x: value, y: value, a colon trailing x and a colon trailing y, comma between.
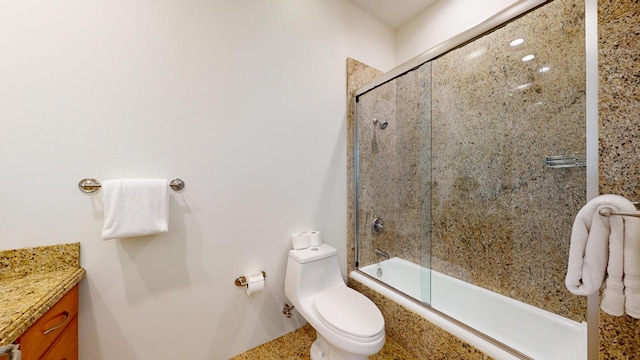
x: 589, y: 249
x: 632, y: 267
x: 608, y: 248
x: 632, y: 295
x: 613, y: 294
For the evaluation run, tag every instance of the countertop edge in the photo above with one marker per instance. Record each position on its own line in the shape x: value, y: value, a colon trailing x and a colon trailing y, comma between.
x: 43, y: 305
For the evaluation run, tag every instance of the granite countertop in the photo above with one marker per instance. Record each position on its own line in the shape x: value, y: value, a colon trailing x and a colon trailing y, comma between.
x: 32, y: 280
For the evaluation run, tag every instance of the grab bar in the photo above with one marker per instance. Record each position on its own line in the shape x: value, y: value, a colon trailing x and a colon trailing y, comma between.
x: 607, y: 212
x: 90, y: 185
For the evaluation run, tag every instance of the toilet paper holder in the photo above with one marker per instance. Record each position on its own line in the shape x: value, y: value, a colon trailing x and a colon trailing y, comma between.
x: 242, y: 280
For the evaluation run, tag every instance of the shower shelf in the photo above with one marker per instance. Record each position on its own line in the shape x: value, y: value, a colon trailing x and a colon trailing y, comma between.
x: 566, y: 161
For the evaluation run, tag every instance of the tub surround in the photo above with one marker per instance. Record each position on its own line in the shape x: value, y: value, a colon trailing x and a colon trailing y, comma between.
x: 523, y: 327
x: 413, y: 333
x: 619, y: 100
x: 32, y: 280
x: 416, y: 335
x: 473, y: 128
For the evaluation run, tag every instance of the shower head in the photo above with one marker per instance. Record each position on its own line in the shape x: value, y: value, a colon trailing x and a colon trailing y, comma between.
x: 382, y: 124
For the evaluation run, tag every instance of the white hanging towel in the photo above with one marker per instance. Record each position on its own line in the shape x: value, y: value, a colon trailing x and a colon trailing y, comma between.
x: 602, y: 248
x: 135, y: 207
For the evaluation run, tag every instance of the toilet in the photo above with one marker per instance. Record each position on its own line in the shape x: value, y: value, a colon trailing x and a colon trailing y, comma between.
x: 349, y: 325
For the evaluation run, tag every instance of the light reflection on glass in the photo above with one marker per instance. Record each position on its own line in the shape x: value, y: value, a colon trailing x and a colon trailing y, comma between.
x: 523, y: 86
x: 544, y: 69
x: 476, y: 53
x: 516, y: 42
x: 528, y: 57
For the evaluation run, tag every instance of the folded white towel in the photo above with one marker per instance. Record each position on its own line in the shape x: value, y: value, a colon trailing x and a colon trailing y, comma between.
x: 135, y: 207
x: 632, y: 267
x: 589, y: 251
x: 613, y: 293
x: 632, y: 295
x: 604, y: 246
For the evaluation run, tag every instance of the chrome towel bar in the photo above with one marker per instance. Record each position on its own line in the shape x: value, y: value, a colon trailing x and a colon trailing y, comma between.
x: 90, y: 185
x: 607, y: 212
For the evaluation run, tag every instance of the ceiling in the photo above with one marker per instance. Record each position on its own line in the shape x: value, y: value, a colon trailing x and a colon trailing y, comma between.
x: 394, y: 13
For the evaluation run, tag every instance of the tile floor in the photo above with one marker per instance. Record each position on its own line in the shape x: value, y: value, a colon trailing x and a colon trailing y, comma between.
x: 296, y: 345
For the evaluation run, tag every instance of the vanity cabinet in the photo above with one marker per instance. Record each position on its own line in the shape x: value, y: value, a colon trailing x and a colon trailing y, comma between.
x: 54, y: 336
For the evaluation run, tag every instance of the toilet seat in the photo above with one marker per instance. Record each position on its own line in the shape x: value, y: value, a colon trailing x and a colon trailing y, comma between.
x: 347, y: 311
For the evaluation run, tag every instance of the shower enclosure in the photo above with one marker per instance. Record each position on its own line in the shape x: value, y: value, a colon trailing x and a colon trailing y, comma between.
x: 473, y: 163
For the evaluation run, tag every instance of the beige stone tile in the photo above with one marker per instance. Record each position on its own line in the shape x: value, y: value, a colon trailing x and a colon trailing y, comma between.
x: 296, y: 345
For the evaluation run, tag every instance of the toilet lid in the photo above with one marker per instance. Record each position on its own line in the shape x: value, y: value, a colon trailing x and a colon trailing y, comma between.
x: 350, y: 312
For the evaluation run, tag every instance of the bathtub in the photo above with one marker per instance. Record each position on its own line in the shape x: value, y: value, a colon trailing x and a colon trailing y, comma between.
x: 530, y: 331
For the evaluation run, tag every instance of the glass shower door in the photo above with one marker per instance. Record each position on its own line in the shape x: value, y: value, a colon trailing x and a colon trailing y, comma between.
x: 393, y: 176
x: 502, y: 105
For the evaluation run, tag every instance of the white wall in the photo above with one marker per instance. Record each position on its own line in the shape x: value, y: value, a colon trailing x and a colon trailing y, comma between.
x: 244, y: 100
x: 441, y: 21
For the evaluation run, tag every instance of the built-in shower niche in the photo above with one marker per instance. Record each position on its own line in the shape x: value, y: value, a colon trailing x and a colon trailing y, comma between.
x: 462, y: 174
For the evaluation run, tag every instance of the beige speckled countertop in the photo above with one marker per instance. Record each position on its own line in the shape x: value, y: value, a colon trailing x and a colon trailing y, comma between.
x: 32, y: 280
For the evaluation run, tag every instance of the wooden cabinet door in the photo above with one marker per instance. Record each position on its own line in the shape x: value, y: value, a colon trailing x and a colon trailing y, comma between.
x: 66, y: 345
x: 41, y: 335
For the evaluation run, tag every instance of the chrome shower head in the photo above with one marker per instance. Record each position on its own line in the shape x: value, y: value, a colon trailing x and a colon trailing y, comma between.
x: 382, y: 124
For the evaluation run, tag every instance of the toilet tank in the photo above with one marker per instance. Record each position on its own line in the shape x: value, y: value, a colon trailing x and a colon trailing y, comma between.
x: 311, y: 271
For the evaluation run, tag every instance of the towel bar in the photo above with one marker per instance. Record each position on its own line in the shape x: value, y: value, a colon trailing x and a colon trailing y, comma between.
x: 607, y: 212
x: 90, y: 185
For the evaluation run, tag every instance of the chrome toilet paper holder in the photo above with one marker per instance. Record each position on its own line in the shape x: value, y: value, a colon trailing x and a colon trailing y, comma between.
x: 242, y: 280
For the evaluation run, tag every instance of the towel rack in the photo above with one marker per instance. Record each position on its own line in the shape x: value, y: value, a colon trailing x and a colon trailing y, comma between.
x: 89, y: 185
x: 607, y: 212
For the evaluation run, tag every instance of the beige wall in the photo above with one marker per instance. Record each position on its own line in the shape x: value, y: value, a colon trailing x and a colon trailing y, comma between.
x: 442, y: 20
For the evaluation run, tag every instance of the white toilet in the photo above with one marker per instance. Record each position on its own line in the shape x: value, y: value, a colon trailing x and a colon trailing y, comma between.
x: 348, y: 324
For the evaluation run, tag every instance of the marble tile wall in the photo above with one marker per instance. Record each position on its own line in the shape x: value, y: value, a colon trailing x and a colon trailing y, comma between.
x: 358, y: 74
x: 416, y: 335
x: 378, y: 161
x: 619, y: 113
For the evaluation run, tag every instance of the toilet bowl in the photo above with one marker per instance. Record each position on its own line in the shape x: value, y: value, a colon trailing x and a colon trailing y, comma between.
x: 348, y: 324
